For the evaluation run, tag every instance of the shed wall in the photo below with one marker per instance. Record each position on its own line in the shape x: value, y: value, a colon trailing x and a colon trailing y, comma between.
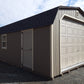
x: 74, y: 13
x: 12, y: 54
x: 42, y: 51
x: 71, y: 43
x: 56, y: 35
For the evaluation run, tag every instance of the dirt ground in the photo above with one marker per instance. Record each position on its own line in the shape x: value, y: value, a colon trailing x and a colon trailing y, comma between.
x: 13, y: 75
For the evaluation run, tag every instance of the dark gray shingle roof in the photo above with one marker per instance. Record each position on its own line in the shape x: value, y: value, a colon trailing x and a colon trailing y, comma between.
x: 40, y: 20
x: 43, y: 19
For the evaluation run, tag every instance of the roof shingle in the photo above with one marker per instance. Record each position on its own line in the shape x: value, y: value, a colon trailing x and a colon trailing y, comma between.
x: 43, y: 19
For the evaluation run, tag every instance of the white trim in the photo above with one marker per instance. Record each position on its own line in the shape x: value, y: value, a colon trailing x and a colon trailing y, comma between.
x: 66, y: 15
x: 22, y: 47
x: 76, y: 65
x: 3, y: 41
x: 52, y: 76
x: 32, y: 50
x: 71, y: 67
x: 22, y: 52
x: 59, y: 47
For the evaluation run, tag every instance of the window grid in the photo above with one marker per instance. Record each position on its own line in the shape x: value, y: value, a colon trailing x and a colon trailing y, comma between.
x: 4, y: 41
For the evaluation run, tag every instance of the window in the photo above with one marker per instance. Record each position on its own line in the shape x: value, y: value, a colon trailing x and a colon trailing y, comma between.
x: 4, y: 41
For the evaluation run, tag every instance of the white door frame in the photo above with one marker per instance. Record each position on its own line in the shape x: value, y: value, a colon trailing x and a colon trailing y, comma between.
x: 22, y: 51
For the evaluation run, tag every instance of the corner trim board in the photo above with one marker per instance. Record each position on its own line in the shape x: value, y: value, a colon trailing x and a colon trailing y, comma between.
x: 52, y: 76
x: 32, y: 49
x: 21, y: 48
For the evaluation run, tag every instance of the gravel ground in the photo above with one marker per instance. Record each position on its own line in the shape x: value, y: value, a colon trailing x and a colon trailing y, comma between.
x: 13, y: 75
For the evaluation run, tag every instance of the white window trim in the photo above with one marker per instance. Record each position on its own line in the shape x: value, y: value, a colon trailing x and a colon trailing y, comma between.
x: 3, y: 41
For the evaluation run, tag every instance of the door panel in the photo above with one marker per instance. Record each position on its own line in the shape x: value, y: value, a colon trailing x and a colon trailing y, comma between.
x: 71, y: 43
x: 27, y: 59
x: 27, y: 48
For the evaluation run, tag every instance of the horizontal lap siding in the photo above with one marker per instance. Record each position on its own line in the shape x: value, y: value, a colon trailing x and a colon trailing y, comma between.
x: 12, y: 54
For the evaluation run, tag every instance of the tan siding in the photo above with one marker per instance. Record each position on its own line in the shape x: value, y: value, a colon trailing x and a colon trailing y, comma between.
x: 69, y: 12
x: 42, y: 50
x: 56, y: 35
x: 56, y: 43
x: 12, y: 54
x: 71, y: 43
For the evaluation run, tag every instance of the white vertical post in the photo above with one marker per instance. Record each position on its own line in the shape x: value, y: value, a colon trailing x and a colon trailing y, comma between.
x: 32, y: 50
x: 52, y: 76
x: 21, y: 48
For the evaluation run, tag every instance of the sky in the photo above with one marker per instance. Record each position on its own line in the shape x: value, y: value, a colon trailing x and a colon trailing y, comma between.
x: 15, y: 10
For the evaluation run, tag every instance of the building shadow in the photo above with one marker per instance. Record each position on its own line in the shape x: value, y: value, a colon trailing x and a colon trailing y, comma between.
x: 10, y: 74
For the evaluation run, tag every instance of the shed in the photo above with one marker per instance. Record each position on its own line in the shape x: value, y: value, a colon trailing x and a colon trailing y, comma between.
x: 48, y: 43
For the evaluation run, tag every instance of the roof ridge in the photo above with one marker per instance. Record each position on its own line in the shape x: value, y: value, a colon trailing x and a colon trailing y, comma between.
x: 39, y: 20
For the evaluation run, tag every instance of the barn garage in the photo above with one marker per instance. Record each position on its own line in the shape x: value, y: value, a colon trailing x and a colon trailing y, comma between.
x: 49, y: 43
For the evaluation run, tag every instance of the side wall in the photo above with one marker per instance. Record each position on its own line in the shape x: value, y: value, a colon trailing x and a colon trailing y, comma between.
x: 12, y: 54
x: 42, y: 51
x: 56, y: 35
x: 71, y: 43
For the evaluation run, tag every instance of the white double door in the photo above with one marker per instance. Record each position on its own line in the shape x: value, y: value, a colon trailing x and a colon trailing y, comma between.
x: 26, y: 51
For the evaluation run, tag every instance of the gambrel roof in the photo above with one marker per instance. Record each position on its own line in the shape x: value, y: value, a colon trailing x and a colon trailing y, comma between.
x: 43, y: 19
